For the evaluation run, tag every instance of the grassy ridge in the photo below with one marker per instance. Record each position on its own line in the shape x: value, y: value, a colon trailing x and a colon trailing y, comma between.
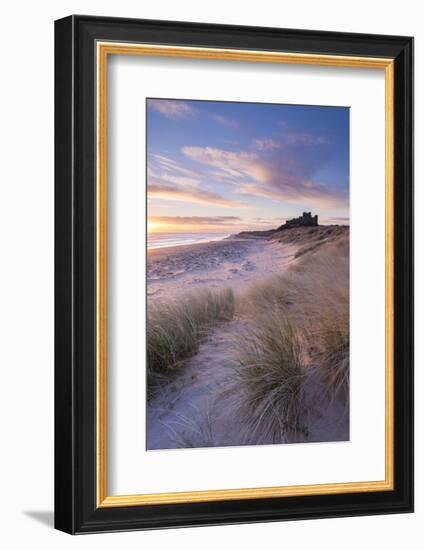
x: 309, y: 239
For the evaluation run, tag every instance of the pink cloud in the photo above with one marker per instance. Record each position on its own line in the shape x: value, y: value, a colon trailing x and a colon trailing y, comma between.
x: 196, y: 220
x: 175, y: 193
x: 233, y: 163
x: 285, y: 174
x: 171, y: 108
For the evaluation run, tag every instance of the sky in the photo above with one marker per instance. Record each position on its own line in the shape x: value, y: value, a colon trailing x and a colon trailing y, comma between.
x: 224, y: 167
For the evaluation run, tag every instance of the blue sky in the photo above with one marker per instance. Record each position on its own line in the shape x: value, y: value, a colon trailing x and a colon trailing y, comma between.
x: 224, y: 166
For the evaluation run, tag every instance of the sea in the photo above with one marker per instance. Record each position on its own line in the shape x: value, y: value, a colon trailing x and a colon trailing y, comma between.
x: 163, y: 240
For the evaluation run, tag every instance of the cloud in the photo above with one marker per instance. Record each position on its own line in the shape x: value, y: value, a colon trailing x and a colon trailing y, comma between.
x: 169, y: 165
x: 204, y: 223
x: 265, y: 223
x: 231, y: 122
x: 302, y: 193
x: 266, y: 144
x: 335, y: 220
x: 171, y: 108
x: 272, y: 220
x: 196, y: 220
x: 305, y: 138
x: 292, y: 137
x: 284, y: 174
x: 195, y: 195
x: 169, y: 180
x: 175, y: 179
x: 235, y: 164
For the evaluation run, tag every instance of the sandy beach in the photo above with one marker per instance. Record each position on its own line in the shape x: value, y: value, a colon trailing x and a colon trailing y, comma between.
x: 234, y: 262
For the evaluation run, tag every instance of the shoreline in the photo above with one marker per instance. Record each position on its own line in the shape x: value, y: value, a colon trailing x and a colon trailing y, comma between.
x: 175, y: 242
x: 156, y: 253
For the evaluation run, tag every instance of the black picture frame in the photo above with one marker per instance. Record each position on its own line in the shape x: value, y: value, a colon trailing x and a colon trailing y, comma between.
x: 76, y: 510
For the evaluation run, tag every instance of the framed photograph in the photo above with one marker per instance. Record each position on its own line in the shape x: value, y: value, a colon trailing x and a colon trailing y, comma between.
x: 234, y: 274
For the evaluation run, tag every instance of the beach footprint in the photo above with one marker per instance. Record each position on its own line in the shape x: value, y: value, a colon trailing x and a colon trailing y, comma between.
x: 248, y: 266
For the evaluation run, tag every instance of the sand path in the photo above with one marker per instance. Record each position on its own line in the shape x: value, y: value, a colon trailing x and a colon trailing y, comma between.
x: 194, y: 410
x: 202, y: 407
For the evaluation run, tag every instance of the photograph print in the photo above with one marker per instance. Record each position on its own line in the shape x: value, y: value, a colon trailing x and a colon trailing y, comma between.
x: 247, y: 274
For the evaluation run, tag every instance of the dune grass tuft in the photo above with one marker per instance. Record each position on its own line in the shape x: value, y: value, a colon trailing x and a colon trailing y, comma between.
x: 175, y: 330
x: 331, y: 354
x: 269, y: 369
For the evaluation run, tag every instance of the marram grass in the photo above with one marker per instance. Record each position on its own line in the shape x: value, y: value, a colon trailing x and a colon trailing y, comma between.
x: 175, y: 330
x: 298, y: 335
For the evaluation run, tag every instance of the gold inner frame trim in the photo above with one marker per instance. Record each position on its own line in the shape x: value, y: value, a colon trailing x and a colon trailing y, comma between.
x: 104, y: 49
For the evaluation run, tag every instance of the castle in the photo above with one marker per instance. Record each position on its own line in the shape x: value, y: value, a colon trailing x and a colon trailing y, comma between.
x: 305, y: 220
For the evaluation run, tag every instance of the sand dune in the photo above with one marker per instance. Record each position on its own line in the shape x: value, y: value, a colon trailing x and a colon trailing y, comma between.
x: 208, y: 398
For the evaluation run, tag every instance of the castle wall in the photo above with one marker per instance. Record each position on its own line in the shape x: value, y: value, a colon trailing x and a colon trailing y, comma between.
x: 305, y: 220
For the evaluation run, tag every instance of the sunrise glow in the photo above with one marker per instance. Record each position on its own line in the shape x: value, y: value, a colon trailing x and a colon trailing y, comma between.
x: 226, y: 167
